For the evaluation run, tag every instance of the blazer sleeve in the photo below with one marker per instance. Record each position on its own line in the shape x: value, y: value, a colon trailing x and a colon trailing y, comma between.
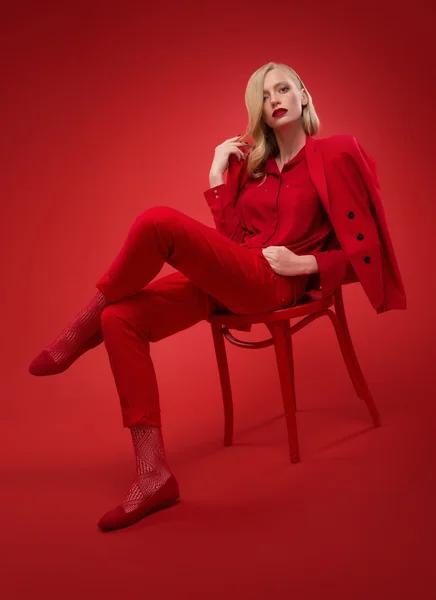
x: 222, y: 200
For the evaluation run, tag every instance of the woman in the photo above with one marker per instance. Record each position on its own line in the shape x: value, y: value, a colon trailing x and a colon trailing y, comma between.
x: 279, y: 231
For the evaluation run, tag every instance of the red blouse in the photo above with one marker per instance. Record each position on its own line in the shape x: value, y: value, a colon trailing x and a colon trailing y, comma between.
x: 284, y: 210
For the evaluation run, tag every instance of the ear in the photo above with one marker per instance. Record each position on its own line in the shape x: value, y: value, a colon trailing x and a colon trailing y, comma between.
x: 304, y: 97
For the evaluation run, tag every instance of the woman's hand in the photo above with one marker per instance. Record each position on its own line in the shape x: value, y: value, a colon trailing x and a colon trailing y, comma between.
x: 283, y: 261
x: 222, y: 154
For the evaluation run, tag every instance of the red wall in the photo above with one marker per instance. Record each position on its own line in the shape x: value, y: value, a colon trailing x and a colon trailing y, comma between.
x: 109, y: 110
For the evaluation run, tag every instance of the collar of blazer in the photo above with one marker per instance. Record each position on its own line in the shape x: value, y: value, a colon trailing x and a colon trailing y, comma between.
x: 315, y: 166
x: 329, y: 158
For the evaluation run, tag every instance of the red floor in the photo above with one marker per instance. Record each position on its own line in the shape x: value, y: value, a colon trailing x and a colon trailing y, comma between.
x: 354, y: 519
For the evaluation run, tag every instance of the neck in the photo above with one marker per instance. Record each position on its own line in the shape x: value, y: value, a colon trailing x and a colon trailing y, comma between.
x: 289, y: 143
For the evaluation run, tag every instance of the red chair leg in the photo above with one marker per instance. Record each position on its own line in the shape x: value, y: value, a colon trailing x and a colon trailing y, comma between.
x: 352, y: 363
x: 340, y: 312
x: 348, y: 354
x: 283, y: 349
x: 290, y: 355
x: 224, y: 375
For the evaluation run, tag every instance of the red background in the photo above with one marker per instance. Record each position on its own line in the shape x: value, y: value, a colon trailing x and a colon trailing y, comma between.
x: 109, y: 108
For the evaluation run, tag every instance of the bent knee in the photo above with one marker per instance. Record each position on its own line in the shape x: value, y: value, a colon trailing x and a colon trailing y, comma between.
x: 114, y: 312
x: 160, y: 214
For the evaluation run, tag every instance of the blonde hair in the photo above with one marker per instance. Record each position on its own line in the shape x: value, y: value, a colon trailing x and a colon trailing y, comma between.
x: 265, y: 144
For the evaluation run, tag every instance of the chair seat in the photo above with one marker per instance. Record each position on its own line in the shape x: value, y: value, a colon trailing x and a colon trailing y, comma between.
x: 311, y: 302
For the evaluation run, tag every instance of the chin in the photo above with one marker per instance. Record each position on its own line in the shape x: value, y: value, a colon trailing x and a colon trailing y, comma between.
x: 286, y: 121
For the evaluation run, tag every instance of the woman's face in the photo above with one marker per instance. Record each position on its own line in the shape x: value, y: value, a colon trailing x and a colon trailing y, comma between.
x: 280, y: 91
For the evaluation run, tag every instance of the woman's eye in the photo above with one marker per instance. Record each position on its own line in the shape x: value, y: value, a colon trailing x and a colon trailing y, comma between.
x: 280, y: 89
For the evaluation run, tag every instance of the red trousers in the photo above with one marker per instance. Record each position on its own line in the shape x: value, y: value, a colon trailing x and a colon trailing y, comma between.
x: 213, y: 274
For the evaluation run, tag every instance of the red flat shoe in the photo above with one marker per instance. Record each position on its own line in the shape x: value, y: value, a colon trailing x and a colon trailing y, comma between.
x: 164, y: 497
x: 43, y: 364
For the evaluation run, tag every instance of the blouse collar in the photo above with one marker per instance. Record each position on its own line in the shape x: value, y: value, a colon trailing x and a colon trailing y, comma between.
x: 271, y: 165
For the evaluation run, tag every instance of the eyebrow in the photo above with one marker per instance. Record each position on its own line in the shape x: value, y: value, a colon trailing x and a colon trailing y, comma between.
x: 277, y: 84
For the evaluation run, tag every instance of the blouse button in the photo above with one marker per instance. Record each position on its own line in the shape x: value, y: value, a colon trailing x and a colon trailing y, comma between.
x: 360, y: 236
x: 367, y: 259
x: 351, y: 215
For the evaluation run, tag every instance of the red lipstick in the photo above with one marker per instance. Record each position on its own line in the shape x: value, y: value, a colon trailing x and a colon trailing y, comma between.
x: 279, y: 112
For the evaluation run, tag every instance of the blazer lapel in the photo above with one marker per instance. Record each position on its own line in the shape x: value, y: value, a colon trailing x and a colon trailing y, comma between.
x: 315, y: 166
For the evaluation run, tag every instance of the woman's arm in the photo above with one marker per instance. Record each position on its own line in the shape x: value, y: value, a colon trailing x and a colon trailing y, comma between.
x: 221, y: 198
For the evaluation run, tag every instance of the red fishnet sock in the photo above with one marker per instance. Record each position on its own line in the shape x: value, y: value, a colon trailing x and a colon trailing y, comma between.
x: 152, y: 468
x: 82, y: 334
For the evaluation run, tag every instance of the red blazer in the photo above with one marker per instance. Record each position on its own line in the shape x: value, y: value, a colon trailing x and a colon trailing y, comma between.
x: 356, y: 212
x: 345, y: 178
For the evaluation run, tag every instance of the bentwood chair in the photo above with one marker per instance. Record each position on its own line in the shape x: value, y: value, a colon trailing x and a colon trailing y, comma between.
x: 311, y: 306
